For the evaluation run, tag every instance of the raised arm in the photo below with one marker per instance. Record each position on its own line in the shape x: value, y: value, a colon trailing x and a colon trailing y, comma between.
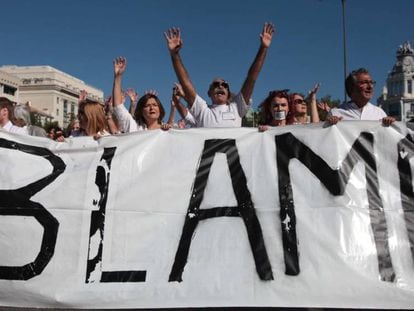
x: 254, y: 70
x: 313, y: 104
x: 174, y: 42
x: 133, y: 97
x: 119, y: 68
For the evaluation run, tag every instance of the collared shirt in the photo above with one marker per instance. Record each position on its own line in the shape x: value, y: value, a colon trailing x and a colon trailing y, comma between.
x: 126, y: 122
x: 227, y: 115
x: 350, y: 111
x: 9, y: 127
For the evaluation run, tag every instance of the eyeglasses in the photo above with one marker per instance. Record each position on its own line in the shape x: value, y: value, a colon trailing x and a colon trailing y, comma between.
x: 299, y: 101
x: 366, y: 82
x: 219, y: 84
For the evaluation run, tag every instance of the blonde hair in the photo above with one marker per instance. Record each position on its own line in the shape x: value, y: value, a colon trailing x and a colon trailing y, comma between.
x: 95, y: 117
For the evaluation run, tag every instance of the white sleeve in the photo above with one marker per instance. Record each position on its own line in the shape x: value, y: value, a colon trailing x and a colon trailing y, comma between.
x: 197, y: 109
x: 189, y: 120
x: 242, y: 107
x: 126, y: 122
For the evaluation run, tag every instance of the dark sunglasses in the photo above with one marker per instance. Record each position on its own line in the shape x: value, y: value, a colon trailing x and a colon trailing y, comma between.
x: 299, y: 101
x: 219, y: 84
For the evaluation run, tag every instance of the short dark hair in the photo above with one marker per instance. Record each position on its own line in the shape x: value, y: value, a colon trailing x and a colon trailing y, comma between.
x: 351, y: 79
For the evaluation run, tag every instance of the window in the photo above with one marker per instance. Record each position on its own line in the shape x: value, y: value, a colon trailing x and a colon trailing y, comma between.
x: 65, y: 106
x: 9, y: 90
x: 57, y: 112
x: 409, y: 86
x: 412, y: 108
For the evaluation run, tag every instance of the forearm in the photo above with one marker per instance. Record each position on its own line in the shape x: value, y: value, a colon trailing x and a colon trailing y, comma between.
x: 314, y: 111
x: 183, y: 78
x: 253, y: 73
x: 172, y: 115
x: 117, y: 90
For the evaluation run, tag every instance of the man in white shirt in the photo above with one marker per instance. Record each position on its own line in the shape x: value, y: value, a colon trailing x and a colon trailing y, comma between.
x: 226, y: 110
x: 360, y: 88
x: 6, y: 114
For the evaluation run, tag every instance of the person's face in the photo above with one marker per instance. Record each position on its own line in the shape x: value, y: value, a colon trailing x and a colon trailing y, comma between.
x: 279, y: 104
x: 151, y: 110
x: 51, y: 133
x: 19, y: 122
x: 76, y: 126
x: 4, y: 116
x: 300, y: 104
x: 219, y: 91
x: 363, y: 89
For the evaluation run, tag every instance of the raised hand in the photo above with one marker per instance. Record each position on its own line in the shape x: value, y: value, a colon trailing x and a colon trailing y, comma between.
x: 173, y: 37
x: 152, y: 92
x: 132, y: 94
x: 324, y: 106
x: 267, y: 34
x: 119, y: 65
x: 315, y: 90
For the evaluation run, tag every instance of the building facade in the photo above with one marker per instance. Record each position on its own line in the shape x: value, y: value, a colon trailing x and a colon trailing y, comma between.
x: 9, y: 86
x: 397, y: 97
x: 51, y: 91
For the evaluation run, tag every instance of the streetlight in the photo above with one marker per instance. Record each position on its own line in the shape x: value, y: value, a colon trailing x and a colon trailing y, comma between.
x: 344, y: 39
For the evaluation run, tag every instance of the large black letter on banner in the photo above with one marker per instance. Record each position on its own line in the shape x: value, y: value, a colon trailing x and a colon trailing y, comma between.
x: 17, y: 203
x: 405, y: 153
x: 97, y: 228
x: 289, y: 147
x: 244, y: 209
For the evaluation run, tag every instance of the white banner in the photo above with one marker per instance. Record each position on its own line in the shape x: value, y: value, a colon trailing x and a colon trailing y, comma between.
x: 301, y: 216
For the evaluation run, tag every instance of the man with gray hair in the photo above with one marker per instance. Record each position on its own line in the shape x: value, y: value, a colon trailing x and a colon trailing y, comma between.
x: 22, y: 119
x: 6, y: 115
x: 360, y: 88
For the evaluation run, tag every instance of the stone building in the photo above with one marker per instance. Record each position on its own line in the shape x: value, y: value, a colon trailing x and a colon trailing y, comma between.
x: 397, y: 97
x: 50, y: 91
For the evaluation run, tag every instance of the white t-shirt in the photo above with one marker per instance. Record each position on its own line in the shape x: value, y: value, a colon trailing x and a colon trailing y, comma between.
x: 228, y: 115
x: 126, y: 122
x: 350, y: 111
x: 9, y: 127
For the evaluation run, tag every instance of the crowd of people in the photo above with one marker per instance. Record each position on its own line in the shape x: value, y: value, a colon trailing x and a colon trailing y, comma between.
x: 279, y: 108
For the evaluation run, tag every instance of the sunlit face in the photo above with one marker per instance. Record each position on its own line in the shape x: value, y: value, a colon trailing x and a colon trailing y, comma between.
x: 279, y: 104
x: 151, y: 110
x: 299, y: 104
x: 363, y: 89
x: 219, y: 91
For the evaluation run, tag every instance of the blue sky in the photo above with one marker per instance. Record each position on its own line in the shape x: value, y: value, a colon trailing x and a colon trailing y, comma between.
x: 221, y: 38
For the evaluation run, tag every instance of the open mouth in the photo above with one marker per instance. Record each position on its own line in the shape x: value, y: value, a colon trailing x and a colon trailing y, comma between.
x: 220, y: 92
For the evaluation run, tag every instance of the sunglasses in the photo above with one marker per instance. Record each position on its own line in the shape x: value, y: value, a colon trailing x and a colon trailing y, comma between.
x: 219, y: 84
x: 299, y: 101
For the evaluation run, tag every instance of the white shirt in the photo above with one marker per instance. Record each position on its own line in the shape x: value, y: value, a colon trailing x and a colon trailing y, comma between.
x: 350, y: 111
x: 126, y: 122
x: 9, y: 127
x: 227, y: 115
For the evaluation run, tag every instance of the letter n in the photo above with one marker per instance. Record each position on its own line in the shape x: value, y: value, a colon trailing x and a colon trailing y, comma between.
x: 289, y: 147
x: 244, y: 209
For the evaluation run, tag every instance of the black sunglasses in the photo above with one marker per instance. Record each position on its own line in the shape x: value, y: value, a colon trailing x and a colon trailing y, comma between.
x: 219, y: 84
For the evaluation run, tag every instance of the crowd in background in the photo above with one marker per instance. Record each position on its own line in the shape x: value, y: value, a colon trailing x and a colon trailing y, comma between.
x: 227, y: 109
